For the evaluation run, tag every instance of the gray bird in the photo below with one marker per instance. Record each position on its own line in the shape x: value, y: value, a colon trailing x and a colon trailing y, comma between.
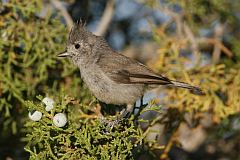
x: 112, y: 77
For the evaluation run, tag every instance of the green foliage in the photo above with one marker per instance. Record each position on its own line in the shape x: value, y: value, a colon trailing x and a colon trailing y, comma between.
x: 28, y: 47
x: 29, y: 44
x: 84, y: 136
x: 28, y: 64
x: 220, y: 84
x: 199, y: 11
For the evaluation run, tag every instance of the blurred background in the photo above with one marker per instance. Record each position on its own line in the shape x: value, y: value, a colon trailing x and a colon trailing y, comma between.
x: 195, y: 41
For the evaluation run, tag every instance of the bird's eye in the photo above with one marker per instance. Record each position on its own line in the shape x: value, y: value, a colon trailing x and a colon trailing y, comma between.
x: 77, y: 46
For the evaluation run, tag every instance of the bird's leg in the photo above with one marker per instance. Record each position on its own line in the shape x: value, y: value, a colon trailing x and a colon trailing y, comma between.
x: 141, y: 107
x: 125, y: 112
x: 141, y: 101
x: 137, y: 107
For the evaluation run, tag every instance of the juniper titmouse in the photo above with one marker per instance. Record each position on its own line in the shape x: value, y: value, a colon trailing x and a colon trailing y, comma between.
x: 110, y: 76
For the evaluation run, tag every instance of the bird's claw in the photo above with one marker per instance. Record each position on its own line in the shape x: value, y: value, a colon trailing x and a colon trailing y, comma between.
x: 110, y: 123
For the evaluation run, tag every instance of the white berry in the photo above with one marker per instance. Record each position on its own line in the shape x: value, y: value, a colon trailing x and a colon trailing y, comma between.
x: 49, y: 102
x: 60, y: 120
x: 35, y: 115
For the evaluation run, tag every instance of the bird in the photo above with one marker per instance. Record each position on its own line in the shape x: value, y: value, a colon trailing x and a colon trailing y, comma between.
x: 110, y: 76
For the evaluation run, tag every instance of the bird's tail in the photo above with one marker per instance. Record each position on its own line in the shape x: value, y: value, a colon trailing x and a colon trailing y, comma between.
x: 193, y: 89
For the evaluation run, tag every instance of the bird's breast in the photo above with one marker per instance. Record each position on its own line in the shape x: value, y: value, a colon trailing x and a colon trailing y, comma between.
x: 107, y: 90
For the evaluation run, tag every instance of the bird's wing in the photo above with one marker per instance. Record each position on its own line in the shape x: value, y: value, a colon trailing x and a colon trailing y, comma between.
x: 124, y: 70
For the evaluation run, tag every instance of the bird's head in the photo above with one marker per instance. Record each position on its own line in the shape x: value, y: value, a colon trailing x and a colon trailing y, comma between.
x: 80, y: 45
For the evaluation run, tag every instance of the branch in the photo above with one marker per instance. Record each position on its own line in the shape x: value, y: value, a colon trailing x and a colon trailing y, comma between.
x: 218, y: 32
x: 190, y: 37
x: 58, y: 5
x: 106, y: 18
x: 177, y: 18
x: 214, y: 41
x: 194, y: 45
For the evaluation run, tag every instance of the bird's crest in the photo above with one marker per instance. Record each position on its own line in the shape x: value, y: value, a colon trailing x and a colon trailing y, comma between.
x: 78, y: 32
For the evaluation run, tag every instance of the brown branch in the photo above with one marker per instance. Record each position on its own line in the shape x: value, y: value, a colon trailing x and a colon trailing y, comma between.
x: 218, y: 32
x: 185, y: 33
x: 194, y: 45
x: 170, y: 143
x: 191, y: 37
x: 106, y: 18
x: 88, y: 116
x: 177, y: 18
x: 214, y: 41
x: 58, y: 5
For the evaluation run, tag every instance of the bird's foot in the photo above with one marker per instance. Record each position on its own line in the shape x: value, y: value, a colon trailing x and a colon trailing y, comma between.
x: 125, y: 113
x: 110, y: 123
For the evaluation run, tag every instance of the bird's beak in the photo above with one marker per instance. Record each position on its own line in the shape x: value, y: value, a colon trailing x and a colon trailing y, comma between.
x: 63, y: 54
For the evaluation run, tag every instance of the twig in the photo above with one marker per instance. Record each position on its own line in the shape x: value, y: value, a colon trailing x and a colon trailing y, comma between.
x: 184, y: 32
x: 170, y: 143
x: 218, y: 32
x: 177, y: 17
x: 214, y: 41
x: 89, y: 116
x: 191, y: 37
x: 106, y: 18
x: 194, y: 45
x: 57, y: 4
